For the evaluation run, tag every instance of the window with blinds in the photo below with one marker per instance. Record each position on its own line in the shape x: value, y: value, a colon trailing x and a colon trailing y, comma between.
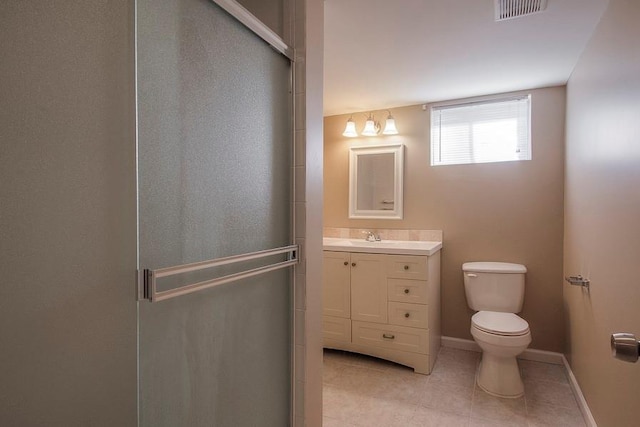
x: 496, y: 130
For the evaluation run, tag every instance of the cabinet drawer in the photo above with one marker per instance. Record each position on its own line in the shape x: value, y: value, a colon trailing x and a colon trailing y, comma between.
x: 411, y: 291
x: 407, y: 267
x: 391, y: 336
x: 413, y: 315
x: 336, y: 328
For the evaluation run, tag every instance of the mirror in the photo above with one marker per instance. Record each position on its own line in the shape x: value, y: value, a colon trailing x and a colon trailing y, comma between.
x: 375, y: 182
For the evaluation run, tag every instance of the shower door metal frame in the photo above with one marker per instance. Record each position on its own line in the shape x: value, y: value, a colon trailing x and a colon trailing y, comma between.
x: 249, y: 20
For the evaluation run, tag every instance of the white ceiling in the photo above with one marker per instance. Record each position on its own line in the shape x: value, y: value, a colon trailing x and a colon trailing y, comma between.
x: 381, y: 54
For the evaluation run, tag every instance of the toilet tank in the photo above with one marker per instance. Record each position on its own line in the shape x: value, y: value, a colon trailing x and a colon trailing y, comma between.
x: 494, y: 286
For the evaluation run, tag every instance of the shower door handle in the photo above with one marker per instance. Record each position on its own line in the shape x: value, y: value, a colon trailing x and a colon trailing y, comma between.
x: 148, y: 286
x: 625, y: 347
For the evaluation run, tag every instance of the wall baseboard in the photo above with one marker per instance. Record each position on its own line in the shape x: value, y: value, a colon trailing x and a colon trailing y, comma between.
x: 460, y: 344
x: 577, y: 392
x: 536, y: 356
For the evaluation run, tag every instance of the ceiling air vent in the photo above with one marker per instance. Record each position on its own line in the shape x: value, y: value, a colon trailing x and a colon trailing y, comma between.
x: 508, y: 9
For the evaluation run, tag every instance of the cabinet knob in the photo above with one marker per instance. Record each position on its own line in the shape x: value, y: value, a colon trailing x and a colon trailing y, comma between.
x: 406, y: 291
x: 346, y: 263
x: 353, y: 264
x: 388, y: 336
x: 406, y: 267
x: 406, y: 315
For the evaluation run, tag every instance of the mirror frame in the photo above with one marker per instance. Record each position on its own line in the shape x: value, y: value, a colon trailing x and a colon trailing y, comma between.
x: 398, y: 152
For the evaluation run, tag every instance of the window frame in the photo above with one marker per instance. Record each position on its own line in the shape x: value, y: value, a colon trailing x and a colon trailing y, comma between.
x: 491, y: 99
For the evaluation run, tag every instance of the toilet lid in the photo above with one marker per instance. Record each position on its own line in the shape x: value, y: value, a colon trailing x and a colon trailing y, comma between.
x: 500, y: 323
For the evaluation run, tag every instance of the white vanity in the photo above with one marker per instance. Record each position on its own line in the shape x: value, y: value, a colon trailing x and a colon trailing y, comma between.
x: 383, y: 299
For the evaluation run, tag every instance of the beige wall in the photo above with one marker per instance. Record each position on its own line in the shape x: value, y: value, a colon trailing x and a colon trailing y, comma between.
x: 602, y: 213
x: 510, y: 211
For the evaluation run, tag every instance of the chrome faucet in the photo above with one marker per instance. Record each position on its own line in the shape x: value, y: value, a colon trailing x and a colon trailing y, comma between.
x: 371, y: 236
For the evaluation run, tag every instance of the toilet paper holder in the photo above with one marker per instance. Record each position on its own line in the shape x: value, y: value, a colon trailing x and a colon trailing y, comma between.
x: 578, y: 281
x: 625, y: 347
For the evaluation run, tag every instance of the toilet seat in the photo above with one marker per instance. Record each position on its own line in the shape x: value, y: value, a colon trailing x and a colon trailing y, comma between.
x: 497, y: 323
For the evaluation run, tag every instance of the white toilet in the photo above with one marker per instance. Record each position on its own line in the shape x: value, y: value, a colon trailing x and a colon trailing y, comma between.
x: 496, y: 291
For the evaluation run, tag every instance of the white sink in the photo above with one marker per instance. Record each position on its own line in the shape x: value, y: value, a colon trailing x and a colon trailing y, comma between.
x: 402, y: 247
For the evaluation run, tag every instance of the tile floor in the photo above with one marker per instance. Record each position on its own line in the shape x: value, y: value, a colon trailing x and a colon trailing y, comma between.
x: 365, y: 391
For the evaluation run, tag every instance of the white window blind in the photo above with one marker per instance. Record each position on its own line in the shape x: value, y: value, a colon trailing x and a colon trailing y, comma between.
x: 481, y: 132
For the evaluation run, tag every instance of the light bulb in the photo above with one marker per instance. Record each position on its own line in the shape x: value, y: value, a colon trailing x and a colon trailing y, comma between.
x: 350, y: 129
x: 370, y: 128
x: 390, y: 126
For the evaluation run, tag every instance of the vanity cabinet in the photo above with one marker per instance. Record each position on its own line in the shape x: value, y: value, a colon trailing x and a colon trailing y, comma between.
x: 383, y: 305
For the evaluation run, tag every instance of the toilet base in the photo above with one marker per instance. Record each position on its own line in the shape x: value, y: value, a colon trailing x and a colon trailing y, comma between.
x: 500, y: 376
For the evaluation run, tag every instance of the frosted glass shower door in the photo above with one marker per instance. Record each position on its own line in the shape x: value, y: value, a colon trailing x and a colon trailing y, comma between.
x: 214, y: 170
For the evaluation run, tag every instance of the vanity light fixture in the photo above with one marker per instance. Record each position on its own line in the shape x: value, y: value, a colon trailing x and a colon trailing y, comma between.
x: 371, y: 127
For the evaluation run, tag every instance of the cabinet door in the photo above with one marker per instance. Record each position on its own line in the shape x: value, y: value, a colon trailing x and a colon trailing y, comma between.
x: 368, y: 288
x: 336, y: 296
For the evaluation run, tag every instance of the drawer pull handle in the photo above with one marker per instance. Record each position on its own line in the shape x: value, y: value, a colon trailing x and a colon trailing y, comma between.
x: 406, y: 315
x: 346, y: 263
x: 353, y: 264
x: 406, y: 291
x: 406, y: 267
x: 388, y: 336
